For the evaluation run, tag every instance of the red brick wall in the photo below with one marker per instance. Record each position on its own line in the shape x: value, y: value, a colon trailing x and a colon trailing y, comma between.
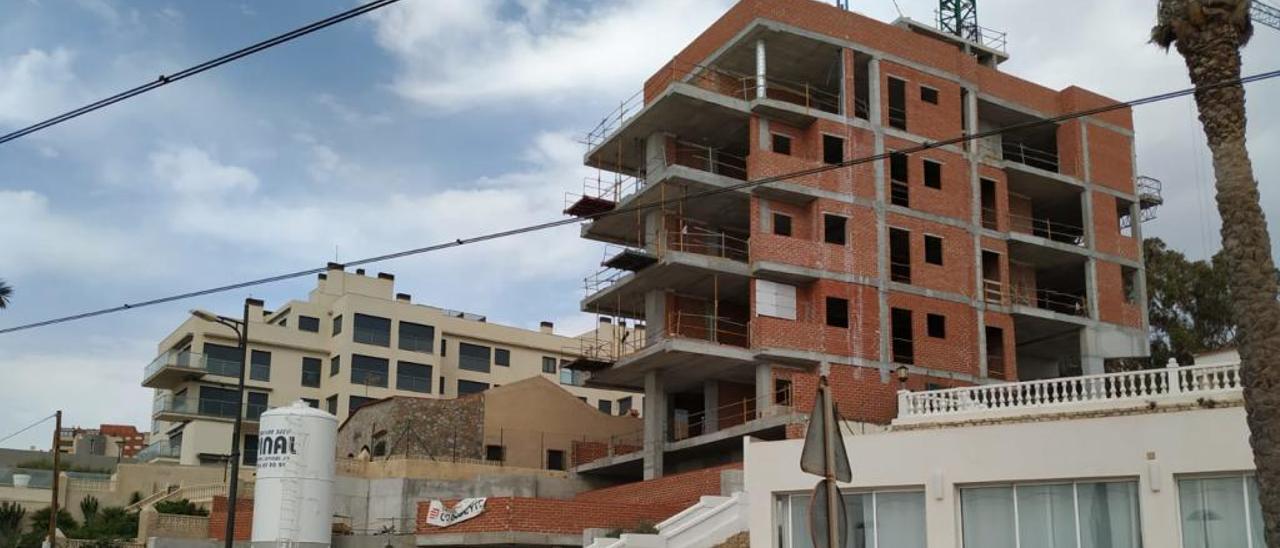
x: 956, y: 274
x: 859, y: 394
x: 953, y: 200
x: 940, y: 121
x: 549, y: 516
x: 1107, y: 237
x: 1113, y: 306
x: 1110, y: 159
x: 958, y: 352
x: 218, y: 519
x: 680, y: 490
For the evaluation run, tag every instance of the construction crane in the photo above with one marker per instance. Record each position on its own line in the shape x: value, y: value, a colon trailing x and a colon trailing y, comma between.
x: 1265, y: 14
x: 960, y: 18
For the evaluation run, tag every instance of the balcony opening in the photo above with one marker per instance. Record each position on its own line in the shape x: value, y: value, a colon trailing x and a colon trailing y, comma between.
x: 832, y: 149
x: 992, y: 285
x: 723, y: 321
x: 1049, y: 284
x: 1047, y: 210
x: 899, y: 255
x: 799, y: 70
x: 1035, y: 147
x: 688, y: 415
x: 995, y: 353
x: 989, y: 211
x: 897, y: 103
x: 861, y: 86
x: 834, y: 228
x: 1045, y: 350
x: 903, y: 339
x: 729, y: 160
x: 690, y: 236
x: 899, y: 180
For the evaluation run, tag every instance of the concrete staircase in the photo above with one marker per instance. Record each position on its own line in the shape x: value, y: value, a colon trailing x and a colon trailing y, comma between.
x: 704, y: 525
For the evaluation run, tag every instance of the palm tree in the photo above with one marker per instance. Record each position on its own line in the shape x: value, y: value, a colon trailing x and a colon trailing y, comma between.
x: 6, y: 293
x: 1209, y: 34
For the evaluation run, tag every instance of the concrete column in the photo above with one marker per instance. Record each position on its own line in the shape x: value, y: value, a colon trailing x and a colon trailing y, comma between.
x: 710, y: 406
x: 656, y: 414
x: 1091, y: 286
x: 653, y: 243
x: 974, y: 157
x: 1140, y: 278
x: 761, y: 82
x: 655, y: 316
x: 1090, y: 361
x: 655, y: 155
x: 764, y: 388
x: 882, y: 229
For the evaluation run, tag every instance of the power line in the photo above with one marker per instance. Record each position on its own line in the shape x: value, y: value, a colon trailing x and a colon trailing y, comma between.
x: 28, y: 427
x: 661, y: 203
x: 197, y: 69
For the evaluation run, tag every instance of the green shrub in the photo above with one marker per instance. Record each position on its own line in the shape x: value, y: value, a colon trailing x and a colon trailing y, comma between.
x: 183, y: 507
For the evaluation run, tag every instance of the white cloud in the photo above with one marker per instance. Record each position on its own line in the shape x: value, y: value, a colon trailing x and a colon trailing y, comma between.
x: 461, y: 53
x: 190, y: 171
x: 34, y: 84
x: 38, y: 239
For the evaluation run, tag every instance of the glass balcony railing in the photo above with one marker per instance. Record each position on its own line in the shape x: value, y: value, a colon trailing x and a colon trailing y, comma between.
x: 187, y: 405
x: 191, y: 360
x: 159, y: 450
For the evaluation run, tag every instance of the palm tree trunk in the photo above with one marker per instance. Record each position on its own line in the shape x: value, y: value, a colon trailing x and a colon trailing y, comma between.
x: 1212, y: 56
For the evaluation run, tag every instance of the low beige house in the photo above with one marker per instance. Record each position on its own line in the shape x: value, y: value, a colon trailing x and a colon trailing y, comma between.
x: 533, y: 423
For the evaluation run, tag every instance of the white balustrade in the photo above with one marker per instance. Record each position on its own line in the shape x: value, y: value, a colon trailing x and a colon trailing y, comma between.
x: 1131, y: 386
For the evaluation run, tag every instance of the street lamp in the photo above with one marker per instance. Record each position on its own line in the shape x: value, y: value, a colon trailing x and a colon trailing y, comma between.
x: 902, y: 376
x: 241, y: 328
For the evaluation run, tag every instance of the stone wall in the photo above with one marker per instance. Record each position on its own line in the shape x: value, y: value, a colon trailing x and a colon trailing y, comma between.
x: 417, y: 427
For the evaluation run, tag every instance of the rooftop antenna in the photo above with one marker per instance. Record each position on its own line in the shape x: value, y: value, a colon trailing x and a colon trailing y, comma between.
x: 842, y: 4
x: 960, y: 18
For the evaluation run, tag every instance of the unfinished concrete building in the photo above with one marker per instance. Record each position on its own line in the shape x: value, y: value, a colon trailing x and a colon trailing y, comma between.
x: 1013, y: 257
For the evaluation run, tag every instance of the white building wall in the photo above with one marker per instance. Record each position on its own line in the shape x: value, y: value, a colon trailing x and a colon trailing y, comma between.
x: 1153, y: 448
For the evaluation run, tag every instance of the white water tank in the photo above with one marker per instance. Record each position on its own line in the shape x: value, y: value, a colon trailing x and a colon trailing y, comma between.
x: 292, y: 500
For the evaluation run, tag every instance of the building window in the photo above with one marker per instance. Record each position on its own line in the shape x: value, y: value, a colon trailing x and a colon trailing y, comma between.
x: 356, y: 402
x: 838, y: 312
x: 314, y: 404
x: 260, y: 365
x: 502, y: 356
x: 337, y: 325
x: 331, y: 404
x: 899, y: 180
x: 311, y: 372
x: 256, y: 405
x: 441, y: 387
x: 555, y: 459
x: 1219, y: 512
x: 834, y: 228
x: 473, y: 357
x: 335, y: 365
x: 414, y: 377
x: 937, y: 325
x: 444, y: 347
x: 882, y: 519
x: 781, y: 144
x: 605, y: 406
x: 372, y: 330
x: 1129, y: 282
x: 213, y: 401
x: 570, y: 377
x: 832, y: 149
x: 775, y: 300
x: 495, y: 453
x: 781, y: 224
x: 1016, y: 516
x: 932, y: 174
x: 249, y: 456
x: 308, y: 323
x: 782, y: 392
x: 369, y: 371
x: 548, y: 365
x: 933, y: 250
x: 417, y: 337
x: 897, y: 103
x: 903, y: 336
x: 380, y: 448
x: 471, y: 387
x: 899, y: 255
x: 222, y: 360
x: 929, y: 95
x: 624, y: 405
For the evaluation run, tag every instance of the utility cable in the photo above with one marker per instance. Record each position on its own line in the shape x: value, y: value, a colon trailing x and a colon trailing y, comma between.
x: 24, y: 429
x: 661, y: 203
x: 197, y: 69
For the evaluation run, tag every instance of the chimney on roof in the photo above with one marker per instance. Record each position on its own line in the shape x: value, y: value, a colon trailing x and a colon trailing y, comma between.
x: 334, y: 266
x: 385, y: 276
x: 547, y: 327
x: 360, y: 271
x: 403, y: 297
x: 322, y: 276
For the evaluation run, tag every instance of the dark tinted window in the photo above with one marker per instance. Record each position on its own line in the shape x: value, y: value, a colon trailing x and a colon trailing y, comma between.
x: 781, y: 224
x: 218, y: 402
x: 335, y: 365
x: 331, y: 404
x: 372, y: 330
x: 414, y: 377
x: 624, y: 405
x: 222, y: 360
x: 256, y: 405
x: 368, y: 370
x: 837, y: 312
x: 315, y: 404
x: 929, y: 95
x: 250, y: 451
x: 605, y: 406
x: 833, y: 228
x: 473, y: 357
x: 932, y: 249
x: 471, y: 387
x: 548, y: 365
x: 307, y: 323
x: 417, y: 337
x: 502, y: 356
x: 260, y: 365
x: 337, y: 325
x: 311, y: 372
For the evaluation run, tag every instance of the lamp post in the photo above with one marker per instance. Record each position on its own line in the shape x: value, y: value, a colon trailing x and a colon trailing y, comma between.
x: 241, y: 328
x: 903, y: 374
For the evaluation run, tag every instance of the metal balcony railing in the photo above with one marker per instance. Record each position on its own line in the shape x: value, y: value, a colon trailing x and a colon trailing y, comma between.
x: 702, y: 241
x: 710, y: 160
x: 798, y: 93
x: 1013, y: 151
x: 716, y: 329
x: 732, y: 414
x: 192, y: 360
x: 1123, y: 388
x: 187, y: 405
x: 159, y: 450
x: 1048, y: 299
x: 1054, y: 230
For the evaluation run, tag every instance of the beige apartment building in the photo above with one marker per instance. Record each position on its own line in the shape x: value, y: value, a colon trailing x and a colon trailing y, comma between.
x: 354, y: 340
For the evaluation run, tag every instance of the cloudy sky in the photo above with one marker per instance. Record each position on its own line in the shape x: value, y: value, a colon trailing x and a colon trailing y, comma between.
x: 428, y: 121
